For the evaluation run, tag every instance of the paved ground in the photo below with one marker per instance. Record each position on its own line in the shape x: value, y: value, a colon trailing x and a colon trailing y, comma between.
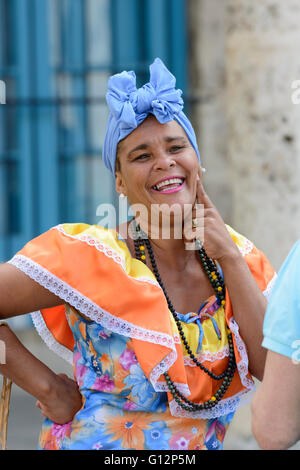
x: 25, y: 419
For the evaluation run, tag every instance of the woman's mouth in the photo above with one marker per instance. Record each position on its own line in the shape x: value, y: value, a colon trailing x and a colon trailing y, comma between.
x: 168, y: 186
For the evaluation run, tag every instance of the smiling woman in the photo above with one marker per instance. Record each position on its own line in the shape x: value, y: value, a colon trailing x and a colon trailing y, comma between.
x: 164, y: 339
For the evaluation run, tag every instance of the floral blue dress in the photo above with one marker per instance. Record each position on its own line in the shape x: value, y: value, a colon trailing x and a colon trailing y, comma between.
x: 121, y: 410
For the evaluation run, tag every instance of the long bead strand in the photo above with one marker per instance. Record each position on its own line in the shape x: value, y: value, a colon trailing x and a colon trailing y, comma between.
x: 219, y: 287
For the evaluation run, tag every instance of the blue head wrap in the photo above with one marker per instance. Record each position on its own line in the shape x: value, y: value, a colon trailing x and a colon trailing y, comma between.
x: 130, y: 106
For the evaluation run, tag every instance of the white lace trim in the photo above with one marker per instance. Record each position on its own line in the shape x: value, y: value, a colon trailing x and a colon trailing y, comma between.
x: 242, y: 365
x: 147, y: 279
x: 177, y: 338
x: 208, y: 356
x: 246, y: 248
x: 47, y: 336
x: 93, y: 311
x: 224, y: 407
x: 269, y: 288
x: 183, y: 388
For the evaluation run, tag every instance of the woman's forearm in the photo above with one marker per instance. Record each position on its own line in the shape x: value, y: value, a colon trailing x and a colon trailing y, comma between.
x: 249, y: 306
x: 24, y: 369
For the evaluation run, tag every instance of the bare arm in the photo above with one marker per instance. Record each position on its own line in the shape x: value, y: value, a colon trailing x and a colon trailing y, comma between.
x: 58, y: 396
x: 249, y: 306
x: 276, y: 404
x: 19, y: 294
x: 248, y: 302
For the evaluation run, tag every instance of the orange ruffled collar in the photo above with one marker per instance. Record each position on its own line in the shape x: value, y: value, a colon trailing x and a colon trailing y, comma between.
x: 91, y: 269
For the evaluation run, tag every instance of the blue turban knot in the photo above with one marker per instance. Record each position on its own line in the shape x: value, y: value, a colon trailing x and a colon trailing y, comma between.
x: 130, y: 106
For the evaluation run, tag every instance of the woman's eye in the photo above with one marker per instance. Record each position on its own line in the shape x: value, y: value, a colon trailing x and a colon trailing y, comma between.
x: 176, y: 148
x: 142, y: 157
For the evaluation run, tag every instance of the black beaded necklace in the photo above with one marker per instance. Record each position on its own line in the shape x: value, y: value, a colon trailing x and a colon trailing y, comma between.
x: 140, y: 241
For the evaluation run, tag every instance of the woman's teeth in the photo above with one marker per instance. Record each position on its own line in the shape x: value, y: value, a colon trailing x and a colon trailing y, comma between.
x: 168, y: 184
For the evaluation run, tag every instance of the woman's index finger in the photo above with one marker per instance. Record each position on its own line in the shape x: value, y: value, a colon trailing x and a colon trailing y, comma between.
x: 202, y: 197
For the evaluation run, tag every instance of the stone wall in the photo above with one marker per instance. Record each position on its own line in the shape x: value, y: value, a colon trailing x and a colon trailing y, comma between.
x: 208, y: 90
x: 244, y: 57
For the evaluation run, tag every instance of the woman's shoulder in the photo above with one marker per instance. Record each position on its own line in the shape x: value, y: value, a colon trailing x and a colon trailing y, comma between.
x: 65, y: 244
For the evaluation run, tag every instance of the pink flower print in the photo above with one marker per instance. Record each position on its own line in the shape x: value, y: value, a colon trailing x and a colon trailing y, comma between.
x: 60, y: 430
x: 129, y: 405
x: 212, y: 308
x: 80, y: 370
x: 127, y: 359
x: 104, y: 334
x: 97, y: 446
x: 104, y: 383
x: 180, y: 441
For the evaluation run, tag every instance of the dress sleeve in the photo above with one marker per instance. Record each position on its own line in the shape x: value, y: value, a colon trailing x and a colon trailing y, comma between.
x: 259, y: 265
x: 282, y: 320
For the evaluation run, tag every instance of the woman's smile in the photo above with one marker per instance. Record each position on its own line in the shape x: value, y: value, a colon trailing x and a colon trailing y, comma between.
x: 169, y: 185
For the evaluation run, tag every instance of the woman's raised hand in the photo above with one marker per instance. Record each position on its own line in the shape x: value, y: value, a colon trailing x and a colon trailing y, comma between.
x: 208, y: 226
x: 63, y: 401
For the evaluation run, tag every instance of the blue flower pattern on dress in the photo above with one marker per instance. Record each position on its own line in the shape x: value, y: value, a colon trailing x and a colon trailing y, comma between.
x: 121, y: 410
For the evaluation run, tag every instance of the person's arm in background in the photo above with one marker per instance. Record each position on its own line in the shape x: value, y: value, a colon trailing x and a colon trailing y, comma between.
x: 58, y: 396
x: 276, y: 404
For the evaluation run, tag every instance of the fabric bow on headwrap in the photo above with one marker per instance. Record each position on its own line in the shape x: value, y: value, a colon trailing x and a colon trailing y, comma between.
x: 130, y: 106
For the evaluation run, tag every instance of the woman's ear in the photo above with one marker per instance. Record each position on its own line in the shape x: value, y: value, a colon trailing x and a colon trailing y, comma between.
x: 201, y: 171
x: 119, y: 182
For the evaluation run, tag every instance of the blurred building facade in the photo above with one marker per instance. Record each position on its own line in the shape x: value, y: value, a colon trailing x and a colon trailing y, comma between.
x: 244, y: 64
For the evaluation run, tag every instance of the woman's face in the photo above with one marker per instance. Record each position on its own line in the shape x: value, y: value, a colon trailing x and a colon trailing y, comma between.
x: 149, y: 157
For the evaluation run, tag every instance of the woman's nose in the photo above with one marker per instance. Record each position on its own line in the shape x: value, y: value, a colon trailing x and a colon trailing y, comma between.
x: 164, y: 161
